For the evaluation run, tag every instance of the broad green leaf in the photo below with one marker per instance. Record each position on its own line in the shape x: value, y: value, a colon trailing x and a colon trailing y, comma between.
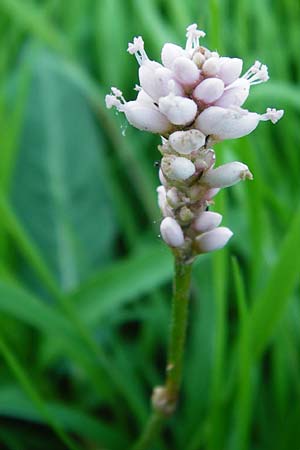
x: 59, y: 188
x: 123, y: 282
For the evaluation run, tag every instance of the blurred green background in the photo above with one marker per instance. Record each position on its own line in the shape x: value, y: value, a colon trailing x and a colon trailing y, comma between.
x: 85, y: 282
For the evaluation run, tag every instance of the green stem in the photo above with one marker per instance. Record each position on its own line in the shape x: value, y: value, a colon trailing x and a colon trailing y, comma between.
x: 165, y: 397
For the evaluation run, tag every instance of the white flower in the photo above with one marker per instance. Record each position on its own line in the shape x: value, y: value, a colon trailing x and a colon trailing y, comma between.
x: 171, y: 232
x: 213, y: 240
x: 226, y: 175
x: 206, y: 221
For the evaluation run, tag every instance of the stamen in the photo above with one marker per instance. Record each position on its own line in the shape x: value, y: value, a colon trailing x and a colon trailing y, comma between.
x: 272, y: 114
x: 115, y: 99
x: 193, y: 35
x: 257, y: 74
x: 137, y: 49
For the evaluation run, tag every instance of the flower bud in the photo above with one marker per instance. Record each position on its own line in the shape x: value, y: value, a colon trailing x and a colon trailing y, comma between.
x: 227, y: 123
x: 211, y: 193
x: 207, y: 221
x: 169, y: 53
x: 145, y: 117
x: 186, y: 215
x: 235, y: 94
x: 173, y: 198
x: 205, y: 160
x: 211, y: 66
x: 155, y: 80
x: 213, y: 240
x: 198, y: 59
x: 162, y: 178
x: 186, y: 71
x: 177, y: 168
x: 171, y: 232
x: 179, y: 110
x: 226, y: 175
x: 185, y: 142
x: 230, y: 69
x: 162, y: 202
x: 209, y: 90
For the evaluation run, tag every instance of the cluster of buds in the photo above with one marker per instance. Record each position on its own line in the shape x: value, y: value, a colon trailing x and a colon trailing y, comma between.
x: 193, y: 100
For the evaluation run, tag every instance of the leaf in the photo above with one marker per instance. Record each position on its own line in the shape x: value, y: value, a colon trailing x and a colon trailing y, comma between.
x: 59, y: 189
x: 23, y: 306
x: 123, y: 282
x: 269, y: 307
x: 13, y: 403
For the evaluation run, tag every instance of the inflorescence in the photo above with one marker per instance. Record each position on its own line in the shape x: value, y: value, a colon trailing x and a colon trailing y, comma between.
x: 193, y: 100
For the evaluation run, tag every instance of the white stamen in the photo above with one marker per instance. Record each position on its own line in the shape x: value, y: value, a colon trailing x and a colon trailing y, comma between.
x: 272, y: 114
x: 193, y: 35
x: 115, y: 99
x: 137, y: 49
x: 257, y: 74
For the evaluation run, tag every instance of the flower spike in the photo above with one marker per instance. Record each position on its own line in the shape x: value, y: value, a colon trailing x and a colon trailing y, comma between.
x: 192, y: 100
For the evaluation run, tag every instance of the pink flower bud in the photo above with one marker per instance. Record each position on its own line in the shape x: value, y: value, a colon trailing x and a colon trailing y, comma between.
x: 171, y: 232
x: 154, y: 80
x: 206, y: 160
x: 179, y: 110
x: 145, y: 117
x: 162, y: 202
x: 181, y: 169
x: 213, y: 240
x: 186, y: 71
x: 230, y: 69
x: 170, y: 52
x: 173, y: 198
x: 226, y: 175
x: 209, y: 90
x: 235, y: 94
x: 211, y: 66
x: 227, y: 123
x: 207, y: 221
x: 211, y: 193
x: 162, y: 178
x: 185, y: 142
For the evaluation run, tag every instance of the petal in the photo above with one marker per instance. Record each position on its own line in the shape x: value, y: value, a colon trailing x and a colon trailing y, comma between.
x: 209, y: 90
x: 235, y: 94
x: 186, y: 71
x: 206, y: 221
x: 230, y: 69
x: 226, y: 175
x: 146, y: 118
x: 213, y: 240
x: 179, y: 110
x: 170, y: 52
x: 226, y: 123
x: 171, y: 232
x: 185, y: 142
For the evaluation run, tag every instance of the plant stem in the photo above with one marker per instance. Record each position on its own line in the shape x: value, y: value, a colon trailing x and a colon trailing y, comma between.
x: 164, y: 398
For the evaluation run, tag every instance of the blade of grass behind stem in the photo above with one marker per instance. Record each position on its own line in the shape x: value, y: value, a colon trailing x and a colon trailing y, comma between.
x: 24, y: 381
x: 284, y: 277
x: 254, y: 210
x: 242, y: 411
x: 32, y: 255
x: 216, y: 416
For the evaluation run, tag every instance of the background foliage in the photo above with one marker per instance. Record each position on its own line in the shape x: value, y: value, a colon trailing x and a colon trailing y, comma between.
x: 84, y: 279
